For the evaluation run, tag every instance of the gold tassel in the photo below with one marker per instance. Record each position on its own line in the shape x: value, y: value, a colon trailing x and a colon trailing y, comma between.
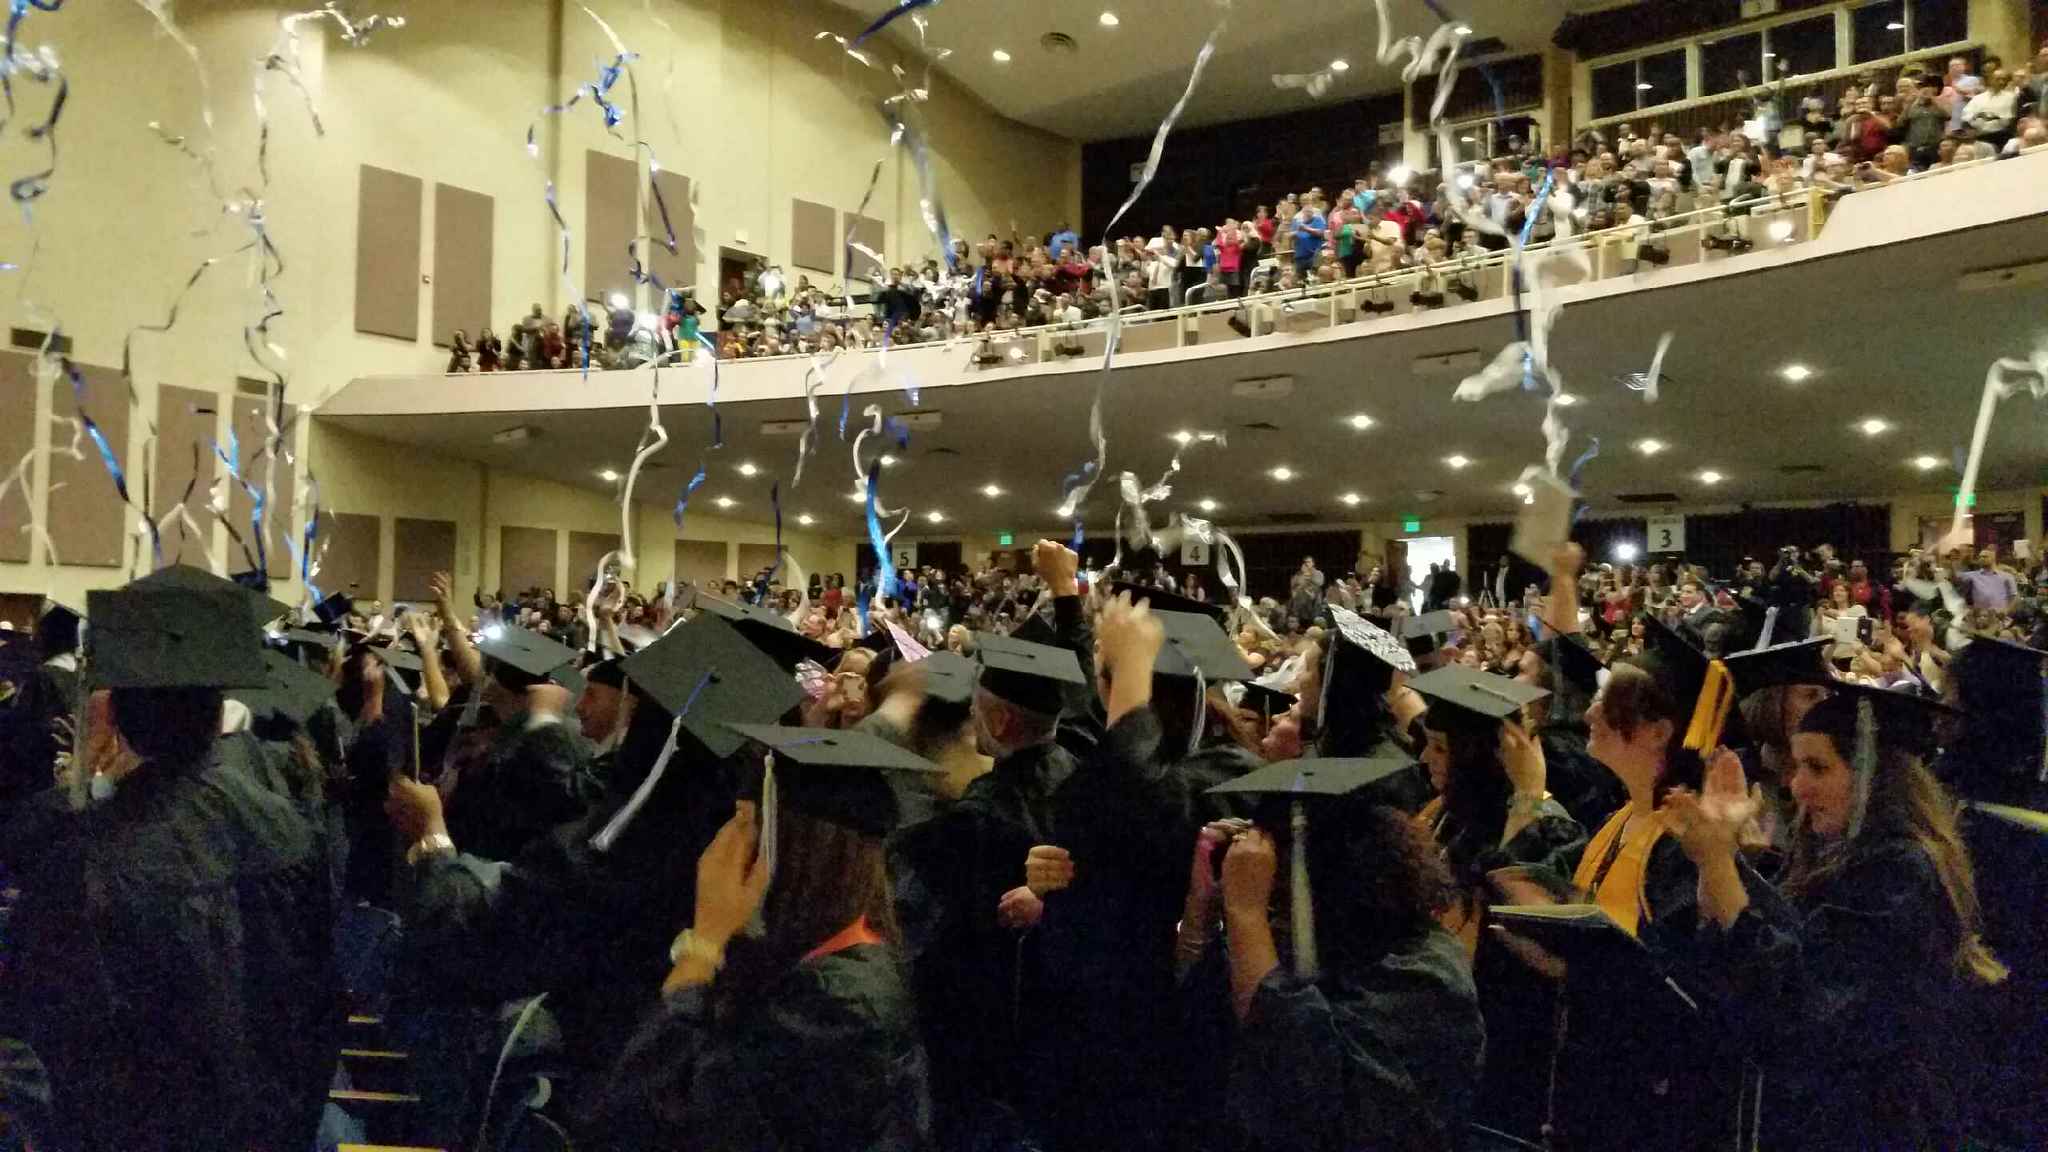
x: 1710, y: 714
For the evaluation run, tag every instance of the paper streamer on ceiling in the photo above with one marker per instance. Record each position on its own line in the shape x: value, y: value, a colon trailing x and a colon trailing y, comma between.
x: 1313, y: 83
x: 1133, y: 499
x: 885, y: 568
x: 106, y: 451
x: 652, y: 440
x: 1077, y: 484
x: 2004, y: 378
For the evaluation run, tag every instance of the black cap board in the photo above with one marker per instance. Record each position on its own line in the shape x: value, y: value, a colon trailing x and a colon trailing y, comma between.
x: 948, y: 677
x: 1312, y: 779
x: 529, y: 656
x: 57, y: 630
x: 608, y: 672
x: 1678, y: 667
x: 1194, y: 644
x: 707, y: 673
x: 1903, y: 718
x: 572, y: 678
x: 1426, y: 633
x: 333, y: 608
x: 1164, y: 601
x: 291, y: 693
x: 1031, y: 676
x: 767, y: 630
x: 1267, y: 700
x: 1576, y: 661
x: 1036, y: 629
x: 838, y: 776
x: 1468, y: 696
x: 173, y: 637
x: 1800, y: 662
x: 260, y: 609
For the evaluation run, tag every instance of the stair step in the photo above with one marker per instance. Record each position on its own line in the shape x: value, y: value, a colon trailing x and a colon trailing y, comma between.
x: 376, y: 1070
x: 382, y: 1148
x: 361, y: 1096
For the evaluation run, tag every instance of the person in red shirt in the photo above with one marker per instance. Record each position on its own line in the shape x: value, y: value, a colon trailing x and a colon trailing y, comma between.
x: 1229, y: 257
x: 1264, y: 225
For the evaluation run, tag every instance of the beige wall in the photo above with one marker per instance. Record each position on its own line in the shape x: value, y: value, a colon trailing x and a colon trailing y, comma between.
x: 734, y: 94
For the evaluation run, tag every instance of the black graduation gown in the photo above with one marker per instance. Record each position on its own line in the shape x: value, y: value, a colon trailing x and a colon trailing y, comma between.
x: 1379, y: 1055
x: 827, y: 1059
x: 535, y: 780
x: 1847, y: 996
x: 176, y: 966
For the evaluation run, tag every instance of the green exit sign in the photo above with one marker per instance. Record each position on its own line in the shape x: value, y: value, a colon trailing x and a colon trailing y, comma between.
x: 1005, y: 540
x: 1411, y: 525
x: 1962, y: 502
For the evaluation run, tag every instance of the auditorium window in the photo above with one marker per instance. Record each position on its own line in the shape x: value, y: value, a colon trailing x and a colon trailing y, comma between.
x: 1643, y: 82
x: 1731, y: 63
x: 1804, y: 47
x: 1932, y: 23
x: 1879, y: 31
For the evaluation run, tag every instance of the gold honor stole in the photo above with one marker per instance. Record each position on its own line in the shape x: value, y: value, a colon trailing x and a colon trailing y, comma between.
x: 1614, y: 867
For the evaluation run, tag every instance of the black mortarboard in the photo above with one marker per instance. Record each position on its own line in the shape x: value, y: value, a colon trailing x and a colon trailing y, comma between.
x: 1267, y: 701
x: 1352, y: 631
x: 837, y: 776
x: 1196, y: 643
x: 610, y: 671
x: 333, y: 608
x: 1035, y: 628
x: 1800, y: 662
x: 1164, y: 601
x: 1903, y: 718
x: 261, y: 609
x: 57, y: 630
x: 1032, y: 676
x: 290, y: 694
x: 707, y: 673
x: 1314, y: 779
x: 1576, y: 662
x: 1585, y: 937
x: 948, y: 678
x: 766, y: 630
x: 1670, y: 659
x: 522, y: 657
x: 1426, y: 633
x: 572, y: 678
x: 1467, y: 696
x: 173, y: 637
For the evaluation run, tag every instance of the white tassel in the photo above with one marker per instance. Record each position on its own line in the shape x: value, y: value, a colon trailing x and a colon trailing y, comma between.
x: 1201, y: 712
x: 1864, y: 764
x: 1302, y: 915
x: 617, y: 824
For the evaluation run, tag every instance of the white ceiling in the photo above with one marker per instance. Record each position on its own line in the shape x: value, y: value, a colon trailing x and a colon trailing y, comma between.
x: 1885, y: 329
x: 1122, y: 81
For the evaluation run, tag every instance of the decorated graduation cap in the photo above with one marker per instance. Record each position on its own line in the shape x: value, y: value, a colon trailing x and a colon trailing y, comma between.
x: 1164, y: 601
x: 840, y: 776
x: 521, y: 657
x: 1032, y: 676
x: 1311, y: 796
x: 57, y: 630
x: 767, y: 630
x: 289, y: 696
x: 1469, y: 698
x: 173, y: 637
x: 259, y: 608
x: 1359, y: 662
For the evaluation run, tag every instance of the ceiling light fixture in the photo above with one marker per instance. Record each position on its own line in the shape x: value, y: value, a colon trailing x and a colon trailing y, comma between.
x: 806, y: 519
x: 609, y: 475
x: 1523, y: 490
x: 1781, y: 230
x: 1462, y: 30
x: 888, y: 461
x: 1457, y: 461
x: 1649, y: 447
x: 1108, y: 20
x: 1283, y: 473
x: 1000, y: 56
x: 1796, y: 373
x: 991, y: 491
x: 725, y: 501
x: 1895, y: 26
x: 935, y: 516
x: 1873, y: 427
x: 1340, y: 66
x: 1926, y: 463
x: 1565, y: 399
x: 1645, y: 86
x: 1206, y: 504
x: 857, y: 496
x: 747, y: 468
x: 1360, y: 421
x: 1352, y: 499
x: 1183, y: 436
x: 1710, y: 477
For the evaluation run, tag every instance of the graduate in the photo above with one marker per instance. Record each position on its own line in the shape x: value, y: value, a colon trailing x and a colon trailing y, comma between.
x: 531, y: 780
x: 1845, y: 980
x: 175, y: 961
x: 1571, y: 672
x: 1355, y: 1020
x: 801, y: 1035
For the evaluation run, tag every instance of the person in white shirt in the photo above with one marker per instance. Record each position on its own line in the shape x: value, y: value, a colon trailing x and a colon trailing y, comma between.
x: 1162, y: 266
x: 1990, y: 113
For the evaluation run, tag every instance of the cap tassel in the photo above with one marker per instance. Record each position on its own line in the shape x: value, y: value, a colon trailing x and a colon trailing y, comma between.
x: 1302, y: 915
x: 1201, y: 712
x: 607, y: 835
x: 1710, y: 714
x: 1864, y: 763
x: 770, y: 807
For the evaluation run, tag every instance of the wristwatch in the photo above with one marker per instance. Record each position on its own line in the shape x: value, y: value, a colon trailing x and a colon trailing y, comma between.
x: 432, y: 844
x: 688, y: 944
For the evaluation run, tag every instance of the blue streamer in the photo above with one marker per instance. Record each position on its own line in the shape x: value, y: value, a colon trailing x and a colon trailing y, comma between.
x: 312, y: 534
x: 106, y: 451
x: 886, y: 18
x: 717, y: 422
x: 885, y: 568
x: 1522, y: 313
x: 775, y: 502
x: 683, y: 501
x: 1578, y: 467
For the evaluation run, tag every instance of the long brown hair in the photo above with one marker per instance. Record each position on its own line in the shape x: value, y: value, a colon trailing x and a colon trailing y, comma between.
x: 826, y: 877
x: 1906, y: 802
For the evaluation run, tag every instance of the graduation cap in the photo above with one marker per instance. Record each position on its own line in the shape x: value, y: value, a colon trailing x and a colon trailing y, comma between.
x: 1471, y: 698
x: 1196, y: 645
x: 1893, y: 718
x: 1576, y: 662
x: 172, y: 637
x: 1354, y: 632
x: 835, y: 775
x: 1588, y: 940
x: 767, y: 630
x: 57, y: 630
x: 705, y: 673
x: 1266, y: 700
x: 949, y: 678
x: 1031, y: 676
x: 1305, y: 798
x: 1781, y: 665
x: 260, y: 608
x: 571, y: 678
x: 609, y: 672
x: 1035, y: 629
x: 522, y: 657
x: 333, y: 609
x: 290, y: 694
x: 1671, y: 660
x: 1428, y: 632
x: 1164, y: 601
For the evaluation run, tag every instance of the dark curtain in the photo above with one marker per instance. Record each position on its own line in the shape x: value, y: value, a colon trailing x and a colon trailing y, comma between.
x: 1272, y: 558
x: 1486, y: 549
x: 1858, y: 531
x: 941, y: 554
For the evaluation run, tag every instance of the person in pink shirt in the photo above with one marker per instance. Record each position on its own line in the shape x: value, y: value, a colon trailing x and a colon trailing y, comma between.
x: 1229, y: 257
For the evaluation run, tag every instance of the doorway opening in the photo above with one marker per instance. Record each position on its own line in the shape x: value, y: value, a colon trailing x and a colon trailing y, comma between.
x: 1423, y: 551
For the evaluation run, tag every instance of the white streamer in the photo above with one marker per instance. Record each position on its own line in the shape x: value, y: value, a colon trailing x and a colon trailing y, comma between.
x: 1997, y: 386
x: 652, y: 440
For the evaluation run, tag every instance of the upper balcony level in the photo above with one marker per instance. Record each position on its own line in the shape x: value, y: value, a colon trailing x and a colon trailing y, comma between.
x: 1898, y: 295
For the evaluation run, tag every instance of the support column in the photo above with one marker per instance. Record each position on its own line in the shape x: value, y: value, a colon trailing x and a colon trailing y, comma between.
x: 1414, y: 141
x: 1556, y: 116
x: 2004, y: 27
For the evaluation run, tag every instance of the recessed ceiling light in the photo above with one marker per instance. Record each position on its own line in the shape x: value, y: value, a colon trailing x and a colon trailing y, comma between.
x: 1468, y: 139
x: 1108, y: 20
x: 1710, y: 477
x: 806, y: 519
x: 1183, y: 436
x: 1926, y: 463
x: 1283, y: 473
x: 725, y: 501
x: 857, y: 496
x: 1361, y: 421
x: 888, y: 461
x: 1463, y: 30
x: 608, y: 475
x: 991, y: 491
x: 1565, y: 399
x: 1000, y: 56
x: 1895, y: 26
x: 1873, y: 427
x: 747, y: 469
x: 1644, y: 87
x: 1795, y: 372
x: 1352, y: 499
x: 1781, y: 230
x: 1206, y: 504
x: 935, y: 516
x: 1649, y: 447
x: 1523, y: 490
x: 1457, y: 461
x: 1340, y: 66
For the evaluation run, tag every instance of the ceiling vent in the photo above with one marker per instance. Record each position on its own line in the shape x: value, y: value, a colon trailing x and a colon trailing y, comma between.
x: 1443, y: 364
x: 1640, y: 381
x: 2010, y: 276
x: 1648, y: 498
x: 1292, y: 518
x: 942, y: 452
x: 1264, y: 388
x: 513, y: 437
x: 32, y: 340
x: 923, y: 420
x: 1429, y: 495
x: 1482, y: 46
x: 1059, y: 42
x: 1260, y: 426
x: 784, y: 427
x: 1802, y: 469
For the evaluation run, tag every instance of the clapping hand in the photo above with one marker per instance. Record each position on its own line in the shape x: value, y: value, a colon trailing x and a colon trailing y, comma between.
x: 1048, y: 868
x: 1709, y: 824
